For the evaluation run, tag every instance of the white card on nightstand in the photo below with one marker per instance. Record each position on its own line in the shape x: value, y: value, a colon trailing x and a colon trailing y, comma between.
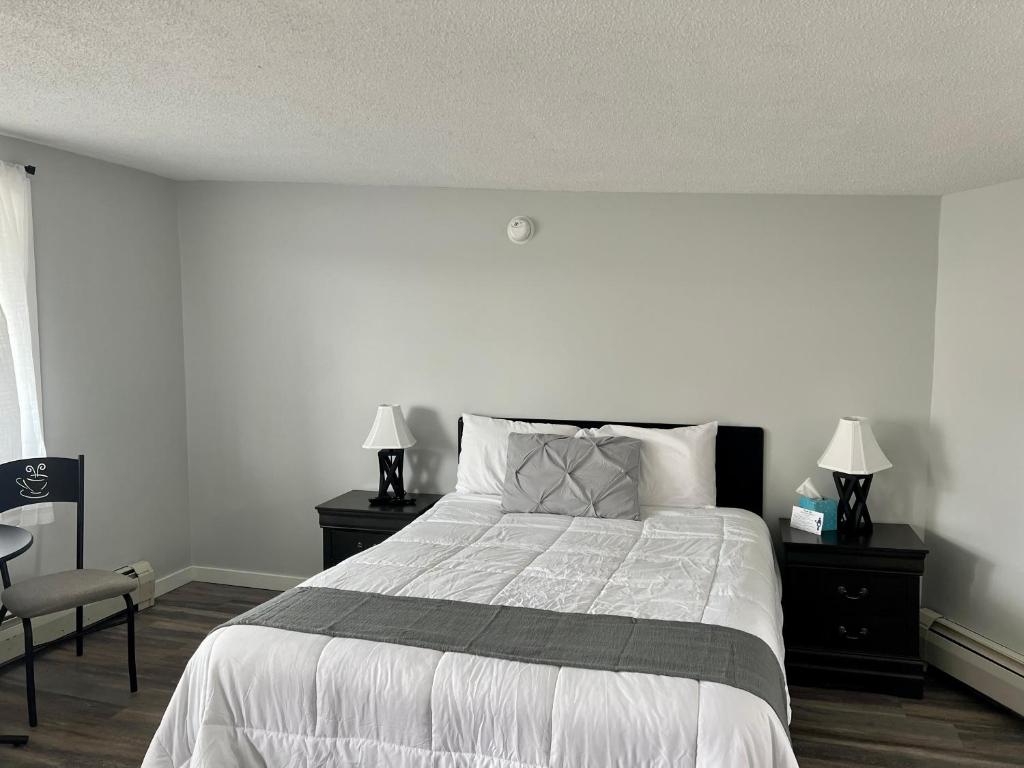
x: 806, y: 520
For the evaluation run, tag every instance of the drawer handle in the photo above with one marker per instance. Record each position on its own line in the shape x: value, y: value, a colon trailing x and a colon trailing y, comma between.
x: 859, y: 636
x: 862, y: 592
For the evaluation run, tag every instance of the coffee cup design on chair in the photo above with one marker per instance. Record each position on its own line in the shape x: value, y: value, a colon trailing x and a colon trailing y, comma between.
x: 33, y: 485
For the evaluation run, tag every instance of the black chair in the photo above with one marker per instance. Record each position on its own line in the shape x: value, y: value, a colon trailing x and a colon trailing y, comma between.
x: 55, y: 479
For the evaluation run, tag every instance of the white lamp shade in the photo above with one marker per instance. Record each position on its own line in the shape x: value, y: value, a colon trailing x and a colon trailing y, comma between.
x: 853, y: 449
x: 389, y: 429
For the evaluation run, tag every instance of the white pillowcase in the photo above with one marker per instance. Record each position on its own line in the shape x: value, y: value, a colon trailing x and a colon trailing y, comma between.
x: 482, y: 463
x: 677, y: 466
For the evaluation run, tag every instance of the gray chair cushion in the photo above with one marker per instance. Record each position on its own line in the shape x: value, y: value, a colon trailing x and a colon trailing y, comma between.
x: 67, y: 589
x: 576, y: 476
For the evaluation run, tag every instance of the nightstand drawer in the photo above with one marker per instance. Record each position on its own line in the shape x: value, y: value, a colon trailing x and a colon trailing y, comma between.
x: 850, y: 592
x: 852, y: 633
x: 343, y: 543
x: 852, y: 611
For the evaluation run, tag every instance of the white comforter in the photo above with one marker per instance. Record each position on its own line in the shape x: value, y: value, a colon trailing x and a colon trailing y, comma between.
x: 254, y: 696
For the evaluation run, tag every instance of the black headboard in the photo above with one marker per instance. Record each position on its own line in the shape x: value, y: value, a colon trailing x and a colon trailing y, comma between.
x: 739, y: 459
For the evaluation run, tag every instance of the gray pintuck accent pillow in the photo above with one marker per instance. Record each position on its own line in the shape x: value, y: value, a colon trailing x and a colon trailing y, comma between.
x: 576, y: 476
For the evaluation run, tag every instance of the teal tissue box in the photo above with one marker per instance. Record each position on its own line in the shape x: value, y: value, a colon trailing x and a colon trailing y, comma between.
x: 828, y: 507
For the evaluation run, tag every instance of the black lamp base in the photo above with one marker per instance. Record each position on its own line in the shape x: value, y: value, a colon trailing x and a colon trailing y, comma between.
x: 853, y: 519
x: 390, y: 462
x: 391, y: 501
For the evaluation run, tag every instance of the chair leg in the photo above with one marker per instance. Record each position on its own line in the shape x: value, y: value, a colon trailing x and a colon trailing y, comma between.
x: 130, y: 612
x: 30, y: 673
x: 3, y: 612
x: 79, y: 637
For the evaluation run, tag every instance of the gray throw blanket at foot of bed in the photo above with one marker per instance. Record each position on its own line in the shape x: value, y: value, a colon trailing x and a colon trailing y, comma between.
x: 706, y: 652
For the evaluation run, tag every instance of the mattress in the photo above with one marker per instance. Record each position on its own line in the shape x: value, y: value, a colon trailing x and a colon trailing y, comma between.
x: 262, y: 696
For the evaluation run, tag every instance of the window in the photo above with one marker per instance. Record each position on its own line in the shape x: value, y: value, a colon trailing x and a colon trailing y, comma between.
x: 21, y: 424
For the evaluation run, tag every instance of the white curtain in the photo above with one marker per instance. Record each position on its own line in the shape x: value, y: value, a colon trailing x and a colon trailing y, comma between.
x: 21, y: 422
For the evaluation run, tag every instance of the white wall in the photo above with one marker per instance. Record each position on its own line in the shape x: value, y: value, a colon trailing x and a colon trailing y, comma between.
x: 976, y: 526
x: 109, y: 291
x: 306, y: 305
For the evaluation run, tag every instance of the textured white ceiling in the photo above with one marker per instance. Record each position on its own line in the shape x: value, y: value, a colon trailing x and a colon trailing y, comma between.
x: 868, y: 96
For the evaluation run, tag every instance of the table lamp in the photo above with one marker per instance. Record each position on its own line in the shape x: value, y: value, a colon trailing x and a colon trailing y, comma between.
x: 854, y: 456
x: 390, y: 436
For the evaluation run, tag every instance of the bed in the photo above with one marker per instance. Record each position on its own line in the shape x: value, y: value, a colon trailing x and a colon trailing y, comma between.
x: 262, y: 695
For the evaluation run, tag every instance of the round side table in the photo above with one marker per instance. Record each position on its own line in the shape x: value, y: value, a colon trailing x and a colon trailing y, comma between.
x: 13, y: 542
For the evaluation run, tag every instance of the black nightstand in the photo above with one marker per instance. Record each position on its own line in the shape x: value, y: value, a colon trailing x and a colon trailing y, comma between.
x: 351, y: 525
x: 851, y: 609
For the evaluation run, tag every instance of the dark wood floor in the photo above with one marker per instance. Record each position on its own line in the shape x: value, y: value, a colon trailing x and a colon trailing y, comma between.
x: 88, y: 719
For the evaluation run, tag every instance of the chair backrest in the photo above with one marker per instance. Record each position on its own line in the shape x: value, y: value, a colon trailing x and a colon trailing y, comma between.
x: 38, y: 481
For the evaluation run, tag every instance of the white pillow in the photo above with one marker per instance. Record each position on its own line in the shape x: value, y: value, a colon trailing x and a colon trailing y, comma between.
x: 482, y: 463
x: 677, y: 466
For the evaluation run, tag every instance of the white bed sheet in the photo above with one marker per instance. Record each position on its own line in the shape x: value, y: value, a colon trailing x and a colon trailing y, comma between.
x: 255, y: 696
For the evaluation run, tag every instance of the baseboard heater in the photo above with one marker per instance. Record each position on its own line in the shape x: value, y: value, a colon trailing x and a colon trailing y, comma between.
x: 988, y: 667
x: 47, y: 629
